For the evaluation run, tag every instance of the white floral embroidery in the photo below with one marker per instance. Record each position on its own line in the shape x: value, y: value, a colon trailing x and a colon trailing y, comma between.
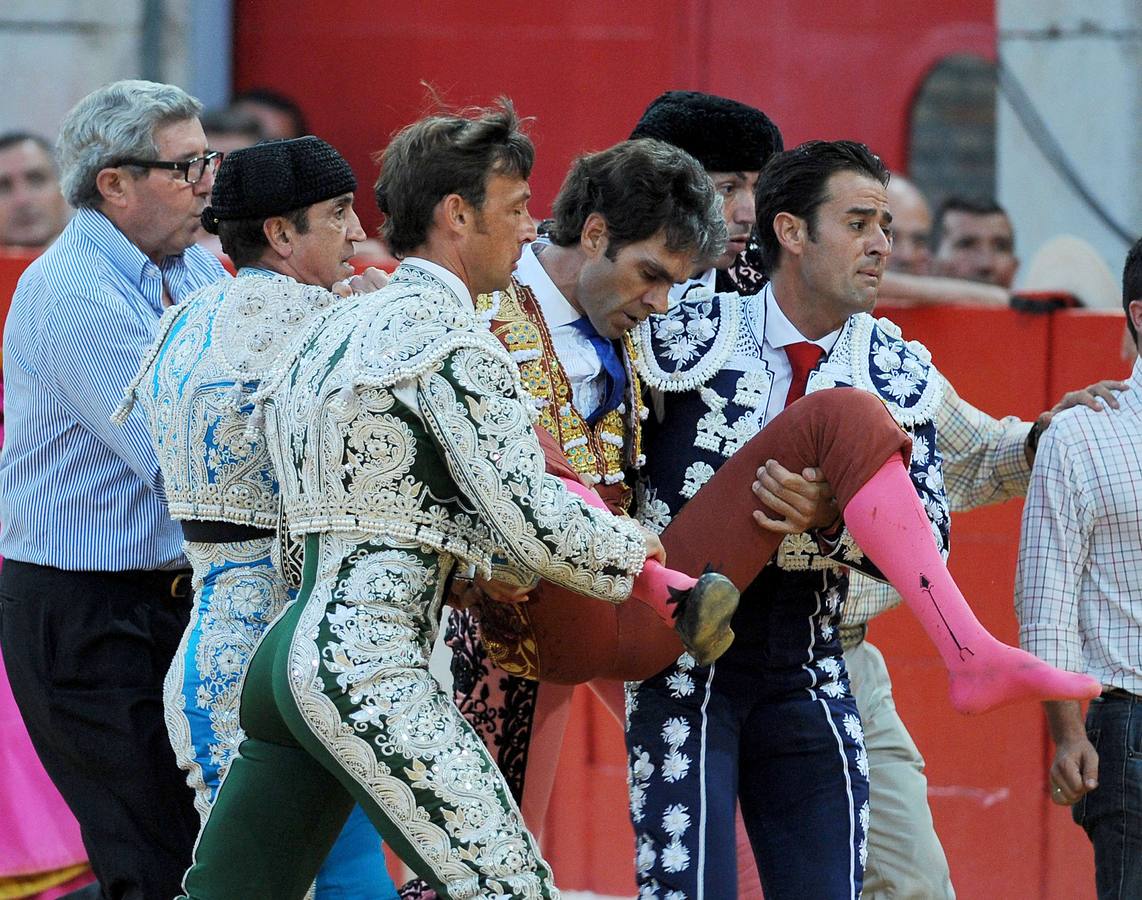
x: 830, y: 666
x: 697, y: 474
x: 637, y: 794
x: 901, y: 386
x: 675, y: 820
x: 675, y: 895
x: 850, y: 549
x: 650, y: 511
x: 853, y: 727
x: 675, y: 731
x: 682, y: 349
x: 645, y: 856
x: 862, y: 762
x: 675, y: 857
x: 702, y: 329
x: 886, y: 359
x: 919, y: 450
x: 691, y: 330
x: 680, y: 685
x: 630, y: 689
x: 827, y: 631
x: 934, y: 507
x: 833, y: 689
x: 675, y: 766
x: 865, y: 816
x: 642, y: 768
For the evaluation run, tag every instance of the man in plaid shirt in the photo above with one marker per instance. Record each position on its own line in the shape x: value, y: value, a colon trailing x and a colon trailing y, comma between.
x: 1079, y: 603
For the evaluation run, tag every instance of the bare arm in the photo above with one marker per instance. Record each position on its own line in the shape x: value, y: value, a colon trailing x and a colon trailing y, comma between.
x: 1074, y: 770
x: 930, y: 290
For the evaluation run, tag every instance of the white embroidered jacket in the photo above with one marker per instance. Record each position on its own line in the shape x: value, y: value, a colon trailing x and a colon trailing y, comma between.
x: 212, y: 352
x: 402, y: 417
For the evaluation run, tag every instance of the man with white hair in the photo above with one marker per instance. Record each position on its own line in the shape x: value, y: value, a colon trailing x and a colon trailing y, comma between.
x: 96, y: 590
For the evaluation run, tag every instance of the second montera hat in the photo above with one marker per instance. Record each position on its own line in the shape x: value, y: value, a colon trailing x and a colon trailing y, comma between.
x: 275, y: 177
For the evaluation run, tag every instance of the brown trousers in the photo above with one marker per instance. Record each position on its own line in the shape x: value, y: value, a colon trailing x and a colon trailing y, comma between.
x: 847, y: 433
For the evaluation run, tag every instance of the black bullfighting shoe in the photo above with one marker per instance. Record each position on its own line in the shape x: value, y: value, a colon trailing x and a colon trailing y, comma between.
x: 702, y: 616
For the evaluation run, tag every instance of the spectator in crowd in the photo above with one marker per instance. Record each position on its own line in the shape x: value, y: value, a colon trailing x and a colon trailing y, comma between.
x: 32, y: 209
x: 1076, y: 594
x: 974, y: 239
x: 95, y: 585
x: 227, y: 130
x: 279, y: 116
x: 911, y: 227
x: 910, y: 278
x: 231, y: 129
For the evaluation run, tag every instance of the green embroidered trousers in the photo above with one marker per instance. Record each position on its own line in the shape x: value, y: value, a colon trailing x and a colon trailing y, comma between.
x: 339, y: 707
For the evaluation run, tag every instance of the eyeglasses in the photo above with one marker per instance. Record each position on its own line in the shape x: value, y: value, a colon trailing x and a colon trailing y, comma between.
x: 192, y: 170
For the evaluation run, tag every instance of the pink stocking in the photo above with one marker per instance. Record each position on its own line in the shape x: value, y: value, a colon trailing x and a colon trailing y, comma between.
x: 653, y: 584
x: 888, y: 522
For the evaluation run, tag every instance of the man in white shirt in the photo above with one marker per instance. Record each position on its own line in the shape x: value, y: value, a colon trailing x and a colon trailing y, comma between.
x: 629, y: 223
x: 1080, y: 608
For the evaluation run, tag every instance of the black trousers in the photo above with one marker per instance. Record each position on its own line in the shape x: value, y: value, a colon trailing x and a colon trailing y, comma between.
x: 86, y: 654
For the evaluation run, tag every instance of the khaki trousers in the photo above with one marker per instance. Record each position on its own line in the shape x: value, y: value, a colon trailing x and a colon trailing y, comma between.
x: 905, y: 859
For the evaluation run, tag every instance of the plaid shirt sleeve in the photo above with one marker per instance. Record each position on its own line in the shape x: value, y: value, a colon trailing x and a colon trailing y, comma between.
x: 984, y: 462
x: 984, y: 458
x: 1058, y: 518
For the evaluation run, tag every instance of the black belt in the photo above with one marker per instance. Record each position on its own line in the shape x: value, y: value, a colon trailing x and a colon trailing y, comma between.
x: 173, y: 583
x: 1113, y: 693
x: 222, y: 532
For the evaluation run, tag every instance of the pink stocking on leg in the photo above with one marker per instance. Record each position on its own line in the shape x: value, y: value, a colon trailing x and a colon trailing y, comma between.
x: 888, y: 521
x: 654, y: 583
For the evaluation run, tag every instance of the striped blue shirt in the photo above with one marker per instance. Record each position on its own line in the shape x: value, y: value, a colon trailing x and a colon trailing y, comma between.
x: 76, y: 491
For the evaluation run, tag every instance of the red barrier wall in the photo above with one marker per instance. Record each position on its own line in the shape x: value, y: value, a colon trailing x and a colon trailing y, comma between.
x: 586, y: 70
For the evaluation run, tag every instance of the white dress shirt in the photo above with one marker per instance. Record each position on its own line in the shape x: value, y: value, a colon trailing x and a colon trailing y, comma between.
x: 450, y: 278
x: 1078, y: 586
x: 774, y: 332
x: 681, y: 289
x: 574, y: 349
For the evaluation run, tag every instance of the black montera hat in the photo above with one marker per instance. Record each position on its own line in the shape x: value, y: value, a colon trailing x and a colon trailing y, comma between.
x: 276, y: 177
x: 723, y: 135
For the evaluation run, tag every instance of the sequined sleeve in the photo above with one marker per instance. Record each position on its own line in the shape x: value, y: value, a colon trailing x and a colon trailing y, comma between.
x: 470, y: 404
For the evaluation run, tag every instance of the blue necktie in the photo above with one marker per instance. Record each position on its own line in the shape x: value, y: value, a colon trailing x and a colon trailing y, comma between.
x: 613, y: 369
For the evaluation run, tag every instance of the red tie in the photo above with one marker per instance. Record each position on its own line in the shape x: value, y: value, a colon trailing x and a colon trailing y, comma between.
x: 803, y: 357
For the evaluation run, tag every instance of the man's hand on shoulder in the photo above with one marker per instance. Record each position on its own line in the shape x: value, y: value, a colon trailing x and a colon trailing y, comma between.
x: 1095, y: 396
